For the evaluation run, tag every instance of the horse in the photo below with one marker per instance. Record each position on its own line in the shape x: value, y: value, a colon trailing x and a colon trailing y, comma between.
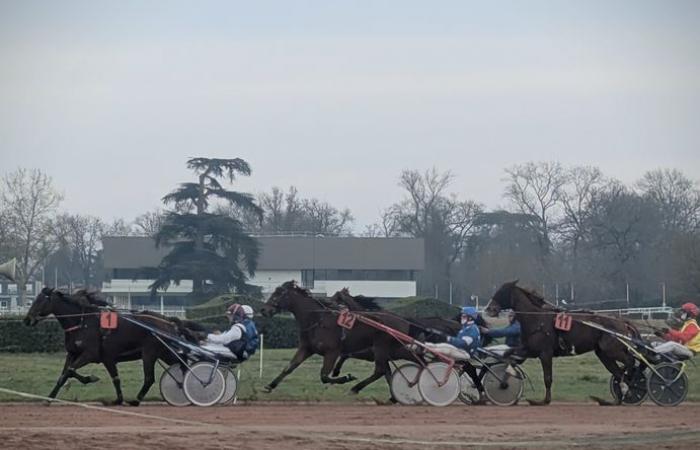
x: 86, y: 343
x: 430, y: 329
x: 541, y: 339
x: 318, y: 332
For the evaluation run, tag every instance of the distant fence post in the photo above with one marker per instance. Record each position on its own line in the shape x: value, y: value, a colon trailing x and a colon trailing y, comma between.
x: 262, y: 340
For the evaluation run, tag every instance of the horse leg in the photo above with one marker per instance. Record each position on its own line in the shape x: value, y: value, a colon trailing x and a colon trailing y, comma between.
x: 70, y: 367
x: 381, y: 368
x: 546, y: 361
x: 111, y: 367
x: 328, y: 363
x: 149, y: 374
x: 609, y: 352
x: 63, y: 377
x: 474, y: 375
x: 339, y: 365
x: 299, y: 357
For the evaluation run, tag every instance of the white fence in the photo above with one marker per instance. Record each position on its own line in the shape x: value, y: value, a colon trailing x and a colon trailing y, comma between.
x: 646, y: 313
x: 170, y: 311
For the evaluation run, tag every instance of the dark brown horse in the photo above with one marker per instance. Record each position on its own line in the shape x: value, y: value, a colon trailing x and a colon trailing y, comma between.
x: 318, y: 332
x: 540, y: 339
x: 86, y: 343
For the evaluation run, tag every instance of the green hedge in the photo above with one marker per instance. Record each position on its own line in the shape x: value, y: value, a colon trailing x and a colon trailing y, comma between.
x: 417, y: 307
x: 280, y: 331
x: 15, y: 337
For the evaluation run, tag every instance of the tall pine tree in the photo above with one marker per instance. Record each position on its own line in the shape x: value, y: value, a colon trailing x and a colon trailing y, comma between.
x: 212, y: 250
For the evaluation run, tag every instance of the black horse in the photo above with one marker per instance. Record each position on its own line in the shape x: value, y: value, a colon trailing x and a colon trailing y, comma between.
x: 542, y: 340
x: 87, y: 343
x: 428, y: 329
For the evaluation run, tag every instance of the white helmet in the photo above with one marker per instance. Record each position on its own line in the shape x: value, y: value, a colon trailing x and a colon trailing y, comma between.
x: 248, y: 311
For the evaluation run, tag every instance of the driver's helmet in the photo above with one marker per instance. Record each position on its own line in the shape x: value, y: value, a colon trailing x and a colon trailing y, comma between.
x: 235, y: 312
x: 691, y: 309
x: 470, y: 311
x: 248, y: 311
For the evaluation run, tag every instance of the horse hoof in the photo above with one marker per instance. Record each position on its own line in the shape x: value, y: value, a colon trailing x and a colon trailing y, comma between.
x: 353, y: 392
x: 537, y: 403
x: 134, y: 403
x: 268, y: 389
x: 93, y: 379
x: 46, y: 403
x: 602, y: 402
x: 350, y: 378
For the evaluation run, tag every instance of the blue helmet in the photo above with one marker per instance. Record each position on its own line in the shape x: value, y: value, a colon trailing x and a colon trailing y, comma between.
x: 470, y: 311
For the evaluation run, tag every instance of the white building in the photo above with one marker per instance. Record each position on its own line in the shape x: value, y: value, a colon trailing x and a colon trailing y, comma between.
x: 374, y: 267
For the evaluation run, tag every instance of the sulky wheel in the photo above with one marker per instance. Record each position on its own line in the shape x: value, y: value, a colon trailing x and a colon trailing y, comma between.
x: 204, y: 384
x: 503, y: 387
x: 171, y: 386
x: 468, y: 392
x: 668, y: 384
x: 404, y: 384
x: 438, y: 384
x: 637, y: 392
x: 231, y: 386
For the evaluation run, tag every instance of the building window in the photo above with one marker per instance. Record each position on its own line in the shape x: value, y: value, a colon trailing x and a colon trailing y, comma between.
x: 360, y: 275
x: 307, y: 279
x: 135, y: 274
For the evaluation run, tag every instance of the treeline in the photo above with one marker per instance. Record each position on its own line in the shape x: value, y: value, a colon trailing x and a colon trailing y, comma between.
x: 567, y: 230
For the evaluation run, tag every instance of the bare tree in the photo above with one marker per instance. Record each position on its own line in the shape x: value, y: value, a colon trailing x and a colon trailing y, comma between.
x: 323, y: 218
x: 443, y: 220
x: 425, y: 191
x: 675, y: 195
x: 535, y: 189
x: 29, y: 202
x: 149, y: 223
x: 289, y: 213
x: 388, y: 225
x: 81, y: 236
x: 118, y: 227
x: 577, y: 195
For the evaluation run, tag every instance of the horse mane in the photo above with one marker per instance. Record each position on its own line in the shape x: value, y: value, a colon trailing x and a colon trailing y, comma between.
x: 358, y: 303
x: 292, y: 285
x: 80, y: 298
x: 368, y: 303
x: 88, y: 298
x: 538, y: 300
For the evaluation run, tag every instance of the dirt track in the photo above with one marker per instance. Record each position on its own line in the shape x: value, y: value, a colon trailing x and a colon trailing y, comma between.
x: 350, y: 427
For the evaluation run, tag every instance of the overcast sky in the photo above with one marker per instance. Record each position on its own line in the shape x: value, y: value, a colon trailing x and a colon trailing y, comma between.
x: 337, y: 98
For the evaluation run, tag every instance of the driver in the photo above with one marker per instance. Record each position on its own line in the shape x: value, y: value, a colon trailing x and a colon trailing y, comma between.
x: 686, y: 341
x: 467, y: 340
x: 233, y: 341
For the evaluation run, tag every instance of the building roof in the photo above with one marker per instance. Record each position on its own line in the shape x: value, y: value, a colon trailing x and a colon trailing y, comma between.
x: 288, y: 253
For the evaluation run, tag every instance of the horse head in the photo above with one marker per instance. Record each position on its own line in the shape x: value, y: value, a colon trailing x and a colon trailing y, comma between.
x: 357, y: 303
x: 41, y: 307
x: 281, y: 299
x: 501, y: 299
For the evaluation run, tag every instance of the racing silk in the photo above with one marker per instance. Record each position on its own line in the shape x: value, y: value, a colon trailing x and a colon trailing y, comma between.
x: 235, y: 333
x: 689, y: 335
x: 251, y: 335
x: 511, y: 333
x: 467, y: 339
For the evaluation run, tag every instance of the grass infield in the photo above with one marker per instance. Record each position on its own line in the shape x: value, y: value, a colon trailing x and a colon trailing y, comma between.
x: 575, y: 378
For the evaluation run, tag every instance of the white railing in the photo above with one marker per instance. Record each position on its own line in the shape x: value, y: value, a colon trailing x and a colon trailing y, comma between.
x: 169, y: 311
x: 645, y: 312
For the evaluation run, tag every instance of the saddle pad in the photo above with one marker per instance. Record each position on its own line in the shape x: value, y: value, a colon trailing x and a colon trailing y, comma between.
x: 108, y: 320
x: 562, y: 322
